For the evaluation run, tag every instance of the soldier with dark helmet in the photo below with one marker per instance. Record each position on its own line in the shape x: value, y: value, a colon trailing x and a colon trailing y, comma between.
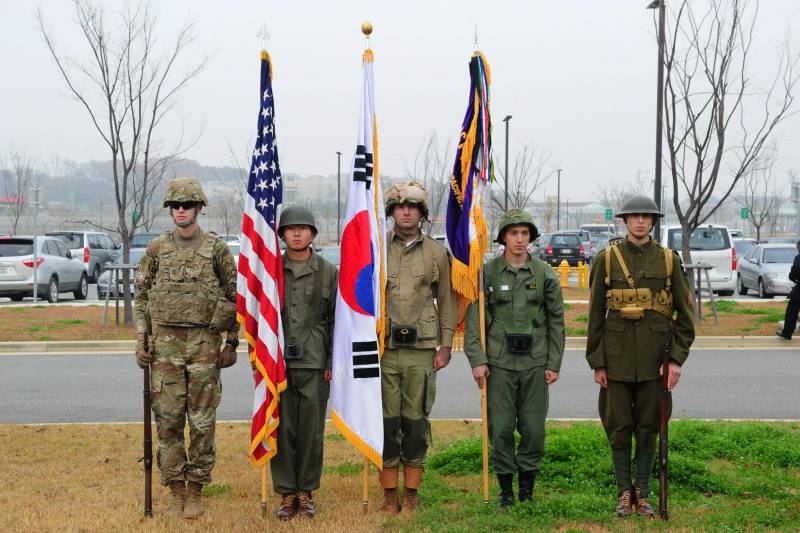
x: 421, y: 311
x: 185, y: 302
x: 639, y: 294
x: 524, y: 326
x: 309, y: 304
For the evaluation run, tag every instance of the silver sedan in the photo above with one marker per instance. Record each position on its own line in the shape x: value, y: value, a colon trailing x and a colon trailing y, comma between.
x: 765, y: 268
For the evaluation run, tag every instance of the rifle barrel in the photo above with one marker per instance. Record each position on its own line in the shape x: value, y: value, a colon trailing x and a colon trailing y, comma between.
x: 148, y: 448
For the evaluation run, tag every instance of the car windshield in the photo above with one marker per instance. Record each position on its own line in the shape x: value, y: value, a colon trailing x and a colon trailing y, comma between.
x: 72, y: 240
x: 565, y: 240
x: 136, y: 256
x: 140, y: 240
x: 234, y: 248
x: 779, y: 255
x: 742, y: 246
x: 16, y: 248
x: 701, y: 239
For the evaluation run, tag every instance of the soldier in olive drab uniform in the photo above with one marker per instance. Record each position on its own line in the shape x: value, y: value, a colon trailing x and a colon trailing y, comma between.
x: 309, y: 303
x: 524, y: 321
x: 638, y: 295
x: 185, y: 301
x: 419, y: 339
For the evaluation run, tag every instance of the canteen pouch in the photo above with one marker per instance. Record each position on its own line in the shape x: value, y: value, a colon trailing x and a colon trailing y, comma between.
x: 224, y: 316
x: 293, y: 351
x: 519, y: 343
x: 404, y: 336
x: 632, y: 312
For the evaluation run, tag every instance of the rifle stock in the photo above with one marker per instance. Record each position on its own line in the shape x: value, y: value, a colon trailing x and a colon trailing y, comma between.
x: 663, y: 442
x: 148, y: 448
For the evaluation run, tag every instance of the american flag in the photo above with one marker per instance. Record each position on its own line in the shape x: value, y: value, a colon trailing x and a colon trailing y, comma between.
x: 260, y: 280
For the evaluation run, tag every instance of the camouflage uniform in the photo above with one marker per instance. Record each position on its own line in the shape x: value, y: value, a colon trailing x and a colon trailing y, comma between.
x: 181, y: 283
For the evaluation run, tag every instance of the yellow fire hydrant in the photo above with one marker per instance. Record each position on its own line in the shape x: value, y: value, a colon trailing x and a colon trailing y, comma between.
x: 563, y: 273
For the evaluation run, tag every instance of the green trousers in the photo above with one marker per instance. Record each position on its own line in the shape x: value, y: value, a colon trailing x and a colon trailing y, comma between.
x: 298, y: 463
x: 517, y: 400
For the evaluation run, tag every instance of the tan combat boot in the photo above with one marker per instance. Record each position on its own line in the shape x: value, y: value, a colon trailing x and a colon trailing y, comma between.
x: 388, y: 478
x: 624, y: 504
x: 193, y: 507
x: 177, y: 498
x: 412, y: 478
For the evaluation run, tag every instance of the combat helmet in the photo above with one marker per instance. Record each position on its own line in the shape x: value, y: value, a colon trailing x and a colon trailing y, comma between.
x: 515, y: 217
x: 639, y: 204
x: 184, y: 189
x: 411, y: 192
x: 297, y: 215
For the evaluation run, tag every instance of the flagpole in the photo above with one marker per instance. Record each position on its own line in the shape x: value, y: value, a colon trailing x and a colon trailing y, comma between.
x: 484, y: 398
x: 365, y: 486
x: 264, y: 491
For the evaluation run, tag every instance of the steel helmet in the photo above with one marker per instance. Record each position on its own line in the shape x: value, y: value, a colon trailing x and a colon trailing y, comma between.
x: 297, y: 215
x: 184, y: 189
x: 411, y: 192
x: 516, y: 217
x: 639, y: 204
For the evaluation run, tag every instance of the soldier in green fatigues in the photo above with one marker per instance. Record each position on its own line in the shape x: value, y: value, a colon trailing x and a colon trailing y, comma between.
x: 639, y: 294
x: 524, y: 323
x: 421, y: 308
x: 309, y: 303
x: 185, y: 301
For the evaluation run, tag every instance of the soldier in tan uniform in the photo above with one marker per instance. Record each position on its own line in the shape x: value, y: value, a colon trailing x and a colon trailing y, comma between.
x: 639, y: 295
x: 421, y: 307
x: 309, y: 304
x: 185, y: 303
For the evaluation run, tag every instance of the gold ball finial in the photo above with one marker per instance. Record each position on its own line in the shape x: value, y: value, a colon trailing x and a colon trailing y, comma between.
x: 366, y: 28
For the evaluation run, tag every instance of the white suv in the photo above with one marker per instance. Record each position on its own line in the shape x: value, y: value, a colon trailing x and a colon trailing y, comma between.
x: 710, y: 244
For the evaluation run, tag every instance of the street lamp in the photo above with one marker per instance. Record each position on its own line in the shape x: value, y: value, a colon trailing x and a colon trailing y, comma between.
x: 338, y: 197
x: 659, y: 4
x: 505, y: 176
x: 558, y: 200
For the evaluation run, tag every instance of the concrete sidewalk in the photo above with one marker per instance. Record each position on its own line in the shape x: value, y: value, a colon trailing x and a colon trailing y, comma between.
x: 573, y: 343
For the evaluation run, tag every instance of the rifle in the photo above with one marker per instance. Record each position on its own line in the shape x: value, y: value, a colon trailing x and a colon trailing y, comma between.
x: 148, y: 448
x: 663, y: 442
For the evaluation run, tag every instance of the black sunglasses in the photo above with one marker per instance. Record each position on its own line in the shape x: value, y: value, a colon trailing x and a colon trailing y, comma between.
x: 185, y: 205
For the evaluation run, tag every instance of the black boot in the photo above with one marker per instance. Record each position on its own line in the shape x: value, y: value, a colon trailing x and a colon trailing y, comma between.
x: 506, y: 498
x: 526, y: 480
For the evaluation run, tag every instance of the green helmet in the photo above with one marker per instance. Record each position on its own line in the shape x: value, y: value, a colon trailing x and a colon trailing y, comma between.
x: 412, y: 192
x: 184, y: 190
x: 297, y: 215
x: 639, y: 204
x: 516, y: 217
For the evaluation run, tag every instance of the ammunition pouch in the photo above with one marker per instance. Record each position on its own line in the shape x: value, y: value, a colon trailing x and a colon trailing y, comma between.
x: 519, y: 343
x: 632, y: 303
x: 404, y: 336
x: 293, y: 351
x: 223, y: 317
x: 632, y: 312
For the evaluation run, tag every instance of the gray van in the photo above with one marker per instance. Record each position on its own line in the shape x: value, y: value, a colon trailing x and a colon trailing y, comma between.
x: 92, y: 248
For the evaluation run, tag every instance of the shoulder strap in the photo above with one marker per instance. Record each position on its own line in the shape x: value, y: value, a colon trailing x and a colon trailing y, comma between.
x: 668, y: 263
x: 624, y: 267
x: 538, y: 277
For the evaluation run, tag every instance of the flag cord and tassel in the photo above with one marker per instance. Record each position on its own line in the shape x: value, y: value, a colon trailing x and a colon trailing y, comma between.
x: 484, y: 395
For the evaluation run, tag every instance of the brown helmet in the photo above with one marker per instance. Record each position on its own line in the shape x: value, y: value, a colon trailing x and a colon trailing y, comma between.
x: 411, y: 192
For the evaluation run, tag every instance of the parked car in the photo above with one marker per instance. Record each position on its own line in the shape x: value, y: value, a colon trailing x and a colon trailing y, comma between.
x: 91, y: 248
x: 332, y: 254
x: 743, y: 245
x: 56, y: 271
x: 232, y: 239
x: 588, y: 244
x: 765, y: 268
x: 141, y: 240
x: 234, y: 248
x: 710, y: 244
x: 556, y: 247
x: 105, y: 287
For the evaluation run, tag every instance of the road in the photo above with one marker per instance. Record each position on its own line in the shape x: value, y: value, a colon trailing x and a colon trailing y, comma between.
x: 45, y: 388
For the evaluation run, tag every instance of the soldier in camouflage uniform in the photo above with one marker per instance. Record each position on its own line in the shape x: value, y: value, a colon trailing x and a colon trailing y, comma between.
x: 309, y: 304
x: 524, y: 323
x: 419, y: 339
x: 185, y: 302
x: 639, y: 294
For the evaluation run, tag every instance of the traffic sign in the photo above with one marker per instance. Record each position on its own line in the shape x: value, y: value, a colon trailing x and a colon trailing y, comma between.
x: 609, y: 213
x: 745, y: 213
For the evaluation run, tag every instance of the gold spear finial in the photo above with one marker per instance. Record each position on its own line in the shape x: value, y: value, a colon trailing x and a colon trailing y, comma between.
x: 366, y: 28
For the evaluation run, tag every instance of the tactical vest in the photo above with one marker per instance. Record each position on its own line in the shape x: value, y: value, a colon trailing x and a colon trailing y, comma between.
x: 632, y: 302
x: 186, y: 288
x: 503, y: 315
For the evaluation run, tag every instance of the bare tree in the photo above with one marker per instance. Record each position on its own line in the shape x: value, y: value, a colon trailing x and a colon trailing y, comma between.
x: 760, y: 193
x: 433, y: 166
x: 531, y: 171
x: 127, y: 87
x: 18, y: 174
x: 717, y: 122
x: 613, y: 196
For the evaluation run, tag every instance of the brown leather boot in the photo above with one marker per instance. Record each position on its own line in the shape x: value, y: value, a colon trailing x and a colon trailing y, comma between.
x: 177, y: 499
x: 288, y: 508
x: 388, y: 477
x: 305, y: 505
x: 624, y: 504
x: 412, y: 478
x: 643, y: 507
x: 193, y: 507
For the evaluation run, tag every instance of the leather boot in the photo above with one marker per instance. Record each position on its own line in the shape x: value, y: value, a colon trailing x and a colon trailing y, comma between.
x: 177, y: 499
x: 412, y: 478
x: 643, y: 507
x: 506, y: 497
x: 625, y: 503
x: 388, y: 478
x: 193, y: 507
x: 288, y: 507
x: 305, y: 505
x: 526, y: 481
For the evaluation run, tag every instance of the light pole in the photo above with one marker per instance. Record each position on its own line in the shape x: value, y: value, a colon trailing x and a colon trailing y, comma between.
x: 338, y: 197
x: 659, y: 4
x: 505, y: 176
x: 558, y: 200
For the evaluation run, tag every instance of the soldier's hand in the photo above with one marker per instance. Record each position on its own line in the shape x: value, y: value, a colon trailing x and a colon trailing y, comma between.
x: 327, y: 375
x: 480, y: 373
x: 674, y: 374
x: 143, y: 357
x: 550, y: 376
x: 442, y: 358
x: 227, y: 357
x: 601, y: 377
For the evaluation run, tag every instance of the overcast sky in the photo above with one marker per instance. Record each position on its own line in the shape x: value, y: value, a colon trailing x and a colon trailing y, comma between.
x: 578, y: 77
